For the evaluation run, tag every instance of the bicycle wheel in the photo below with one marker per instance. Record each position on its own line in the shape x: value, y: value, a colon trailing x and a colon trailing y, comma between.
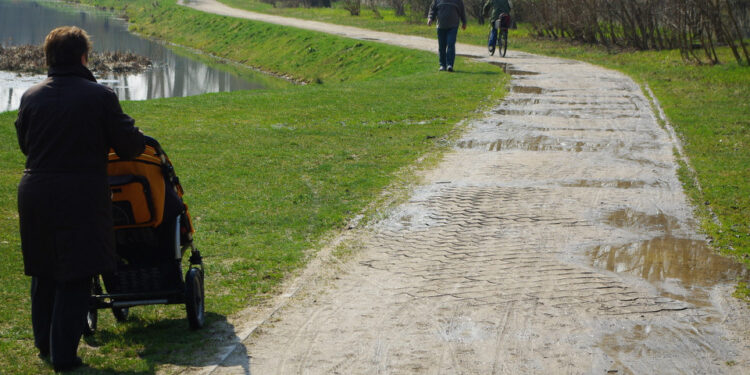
x: 502, y: 42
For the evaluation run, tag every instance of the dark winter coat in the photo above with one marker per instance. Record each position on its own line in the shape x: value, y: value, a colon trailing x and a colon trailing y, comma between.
x: 66, y: 125
x: 448, y: 13
x: 498, y: 7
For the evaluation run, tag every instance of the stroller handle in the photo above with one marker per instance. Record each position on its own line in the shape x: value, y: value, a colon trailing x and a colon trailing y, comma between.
x: 150, y: 141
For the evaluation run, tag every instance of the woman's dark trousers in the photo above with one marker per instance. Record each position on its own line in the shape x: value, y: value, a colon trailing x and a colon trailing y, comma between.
x: 447, y: 46
x: 58, y: 315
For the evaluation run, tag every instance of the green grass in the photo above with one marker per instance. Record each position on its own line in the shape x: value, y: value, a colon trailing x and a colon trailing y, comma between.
x: 268, y: 174
x: 708, y: 105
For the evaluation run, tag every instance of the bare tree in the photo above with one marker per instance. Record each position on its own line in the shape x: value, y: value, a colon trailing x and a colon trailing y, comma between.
x: 399, y: 7
x: 353, y: 6
x: 645, y: 24
x: 418, y: 10
x: 475, y: 8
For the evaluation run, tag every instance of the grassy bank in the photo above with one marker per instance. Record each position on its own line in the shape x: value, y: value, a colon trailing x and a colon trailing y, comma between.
x: 309, y: 56
x: 267, y: 173
x: 709, y: 106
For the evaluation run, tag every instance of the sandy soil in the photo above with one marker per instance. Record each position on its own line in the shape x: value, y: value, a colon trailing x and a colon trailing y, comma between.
x: 554, y: 239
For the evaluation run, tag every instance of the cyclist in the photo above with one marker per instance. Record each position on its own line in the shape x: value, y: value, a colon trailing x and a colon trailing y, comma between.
x: 498, y: 7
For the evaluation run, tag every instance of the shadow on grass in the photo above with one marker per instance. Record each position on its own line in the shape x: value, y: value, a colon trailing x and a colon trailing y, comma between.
x: 166, y: 342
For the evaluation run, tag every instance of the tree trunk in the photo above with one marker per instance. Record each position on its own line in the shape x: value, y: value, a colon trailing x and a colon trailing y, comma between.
x: 733, y: 19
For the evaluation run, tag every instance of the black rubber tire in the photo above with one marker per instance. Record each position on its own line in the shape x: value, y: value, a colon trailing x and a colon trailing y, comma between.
x: 121, y: 313
x: 92, y: 316
x: 194, y: 298
x: 503, y: 42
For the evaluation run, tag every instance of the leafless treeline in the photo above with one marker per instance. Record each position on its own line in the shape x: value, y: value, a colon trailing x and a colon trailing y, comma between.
x: 696, y: 27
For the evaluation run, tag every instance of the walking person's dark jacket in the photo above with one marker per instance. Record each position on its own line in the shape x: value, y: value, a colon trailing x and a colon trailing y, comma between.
x: 448, y: 13
x: 66, y: 126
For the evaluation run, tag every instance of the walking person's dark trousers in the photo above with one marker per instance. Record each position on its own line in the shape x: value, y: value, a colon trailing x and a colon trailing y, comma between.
x: 58, y: 315
x: 447, y: 45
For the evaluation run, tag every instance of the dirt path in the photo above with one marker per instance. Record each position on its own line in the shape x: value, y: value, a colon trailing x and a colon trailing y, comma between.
x: 554, y: 239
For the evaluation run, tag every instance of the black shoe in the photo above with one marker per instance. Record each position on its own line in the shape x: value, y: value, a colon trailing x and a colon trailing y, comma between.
x: 44, y: 357
x: 450, y: 68
x: 491, y: 49
x: 442, y: 68
x: 64, y: 367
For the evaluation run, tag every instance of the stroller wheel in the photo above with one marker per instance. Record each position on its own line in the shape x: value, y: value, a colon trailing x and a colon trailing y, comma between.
x: 92, y: 316
x: 194, y: 305
x: 121, y: 313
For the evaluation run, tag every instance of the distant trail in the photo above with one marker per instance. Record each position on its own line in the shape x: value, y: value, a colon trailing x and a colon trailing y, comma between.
x: 554, y: 239
x: 413, y: 42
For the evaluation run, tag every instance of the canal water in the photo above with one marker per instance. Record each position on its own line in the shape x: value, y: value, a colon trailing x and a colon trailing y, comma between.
x: 173, y: 74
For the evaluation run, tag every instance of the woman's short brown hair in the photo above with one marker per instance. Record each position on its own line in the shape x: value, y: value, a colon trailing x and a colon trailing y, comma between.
x: 65, y: 45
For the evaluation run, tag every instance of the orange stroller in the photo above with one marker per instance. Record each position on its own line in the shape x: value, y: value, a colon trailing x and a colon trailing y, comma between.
x: 153, y: 230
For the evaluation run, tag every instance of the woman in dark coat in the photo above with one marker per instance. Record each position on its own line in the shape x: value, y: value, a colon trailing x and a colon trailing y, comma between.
x: 66, y: 126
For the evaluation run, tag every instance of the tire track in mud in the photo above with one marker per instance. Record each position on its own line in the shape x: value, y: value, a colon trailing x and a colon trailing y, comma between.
x: 502, y: 326
x: 555, y: 238
x: 311, y: 336
x: 498, y: 266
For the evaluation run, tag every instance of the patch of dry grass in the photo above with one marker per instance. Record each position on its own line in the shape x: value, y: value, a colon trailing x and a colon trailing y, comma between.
x: 30, y: 59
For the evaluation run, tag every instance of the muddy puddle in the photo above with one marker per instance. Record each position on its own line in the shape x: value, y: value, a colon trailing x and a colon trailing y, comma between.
x: 569, y: 112
x: 469, y: 55
x: 566, y: 129
x: 668, y: 259
x: 507, y: 68
x: 526, y: 89
x: 502, y: 65
x: 639, y: 221
x: 619, y: 184
x: 681, y: 268
x: 523, y: 101
x: 538, y: 143
x: 517, y: 72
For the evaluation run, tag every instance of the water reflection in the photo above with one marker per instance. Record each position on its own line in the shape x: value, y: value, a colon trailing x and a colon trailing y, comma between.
x: 635, y: 220
x: 12, y: 87
x: 23, y: 22
x: 667, y: 258
x: 671, y: 262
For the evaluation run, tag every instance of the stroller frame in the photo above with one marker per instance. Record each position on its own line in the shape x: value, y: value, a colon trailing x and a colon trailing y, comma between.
x: 141, y: 280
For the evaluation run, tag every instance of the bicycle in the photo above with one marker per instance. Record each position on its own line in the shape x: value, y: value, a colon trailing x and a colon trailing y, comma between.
x: 500, y: 33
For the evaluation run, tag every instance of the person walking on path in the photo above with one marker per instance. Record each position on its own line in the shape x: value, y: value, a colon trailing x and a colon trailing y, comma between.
x: 498, y: 7
x: 448, y: 14
x: 66, y: 126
